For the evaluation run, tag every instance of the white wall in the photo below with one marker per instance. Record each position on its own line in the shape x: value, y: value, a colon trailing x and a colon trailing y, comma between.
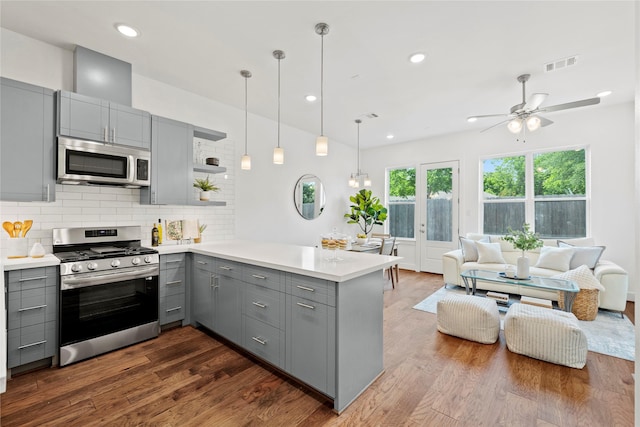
x: 607, y: 131
x: 259, y: 202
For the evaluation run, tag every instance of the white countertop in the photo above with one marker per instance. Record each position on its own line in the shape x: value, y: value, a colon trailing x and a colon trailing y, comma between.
x: 305, y: 260
x: 28, y: 262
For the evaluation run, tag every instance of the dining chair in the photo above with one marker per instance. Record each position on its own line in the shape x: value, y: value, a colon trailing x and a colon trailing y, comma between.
x: 387, y: 248
x: 395, y: 251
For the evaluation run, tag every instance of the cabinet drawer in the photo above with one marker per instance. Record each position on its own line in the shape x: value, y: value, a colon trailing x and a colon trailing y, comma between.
x: 203, y: 262
x: 317, y: 290
x: 172, y: 281
x: 264, y: 341
x: 229, y: 269
x: 263, y: 277
x: 172, y: 308
x: 31, y: 343
x: 264, y: 304
x: 32, y: 278
x: 172, y: 261
x: 31, y: 307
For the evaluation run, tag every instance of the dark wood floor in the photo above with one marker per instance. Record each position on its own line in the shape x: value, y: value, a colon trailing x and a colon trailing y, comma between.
x: 187, y: 378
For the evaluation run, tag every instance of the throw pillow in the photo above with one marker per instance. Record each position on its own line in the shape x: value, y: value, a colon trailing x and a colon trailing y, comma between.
x: 489, y: 253
x: 583, y: 255
x: 583, y: 277
x: 469, y: 251
x: 555, y: 258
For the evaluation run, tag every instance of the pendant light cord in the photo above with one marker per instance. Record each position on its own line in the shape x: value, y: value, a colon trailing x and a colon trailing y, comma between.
x: 245, y: 115
x: 358, y: 156
x: 322, y: 84
x: 279, y: 102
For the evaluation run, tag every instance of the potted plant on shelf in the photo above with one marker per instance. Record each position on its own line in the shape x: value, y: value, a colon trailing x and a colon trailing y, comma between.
x: 525, y: 240
x: 366, y: 211
x: 206, y: 187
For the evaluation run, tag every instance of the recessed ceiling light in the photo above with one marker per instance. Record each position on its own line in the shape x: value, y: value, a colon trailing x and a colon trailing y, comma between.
x: 126, y: 30
x: 417, y: 58
x: 310, y: 98
x: 471, y: 119
x: 389, y: 136
x: 604, y: 93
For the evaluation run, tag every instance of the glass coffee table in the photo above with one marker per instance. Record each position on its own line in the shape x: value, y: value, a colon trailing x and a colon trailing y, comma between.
x: 569, y: 287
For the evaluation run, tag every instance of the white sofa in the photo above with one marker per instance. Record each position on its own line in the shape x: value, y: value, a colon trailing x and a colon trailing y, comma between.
x: 614, y: 279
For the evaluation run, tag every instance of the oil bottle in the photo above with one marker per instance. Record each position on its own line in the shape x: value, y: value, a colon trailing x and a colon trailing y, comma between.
x: 154, y: 235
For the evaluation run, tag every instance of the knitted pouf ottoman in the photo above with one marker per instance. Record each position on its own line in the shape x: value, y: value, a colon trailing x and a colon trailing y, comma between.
x: 470, y: 317
x: 550, y: 335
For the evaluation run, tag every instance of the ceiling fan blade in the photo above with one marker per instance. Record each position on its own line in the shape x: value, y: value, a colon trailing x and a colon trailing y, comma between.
x: 535, y: 100
x: 497, y: 124
x: 574, y: 104
x: 544, y: 121
x: 487, y: 115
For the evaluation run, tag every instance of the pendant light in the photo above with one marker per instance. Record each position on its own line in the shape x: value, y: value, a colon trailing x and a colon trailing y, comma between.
x: 278, y: 152
x: 359, y: 176
x: 322, y: 142
x: 245, y: 162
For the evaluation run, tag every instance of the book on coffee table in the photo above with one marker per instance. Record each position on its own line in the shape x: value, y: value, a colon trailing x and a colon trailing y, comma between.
x: 536, y: 301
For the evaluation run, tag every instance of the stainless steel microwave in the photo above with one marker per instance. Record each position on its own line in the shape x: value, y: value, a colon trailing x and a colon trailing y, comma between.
x: 89, y: 162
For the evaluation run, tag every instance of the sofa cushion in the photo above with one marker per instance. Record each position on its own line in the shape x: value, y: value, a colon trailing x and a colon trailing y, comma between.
x: 555, y: 258
x: 469, y: 251
x: 489, y: 253
x: 583, y: 277
x: 583, y: 255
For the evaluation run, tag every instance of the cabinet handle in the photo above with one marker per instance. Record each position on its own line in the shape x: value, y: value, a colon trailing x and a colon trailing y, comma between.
x: 257, y: 276
x: 32, y: 308
x: 214, y: 281
x: 304, y: 288
x: 224, y: 267
x: 174, y: 309
x: 113, y: 134
x: 106, y: 134
x: 31, y: 345
x: 27, y: 279
x: 47, y: 196
x: 175, y: 282
x: 259, y: 340
x: 301, y: 304
x: 259, y: 304
x: 202, y: 262
x: 173, y: 260
x: 153, y: 197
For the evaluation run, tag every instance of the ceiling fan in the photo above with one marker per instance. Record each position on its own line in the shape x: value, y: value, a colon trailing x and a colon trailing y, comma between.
x: 526, y: 114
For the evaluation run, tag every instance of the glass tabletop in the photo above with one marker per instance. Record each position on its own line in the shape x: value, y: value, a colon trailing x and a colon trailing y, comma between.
x: 532, y: 281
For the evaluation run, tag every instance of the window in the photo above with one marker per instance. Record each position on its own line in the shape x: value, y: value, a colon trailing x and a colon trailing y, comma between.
x: 402, y: 201
x: 546, y: 189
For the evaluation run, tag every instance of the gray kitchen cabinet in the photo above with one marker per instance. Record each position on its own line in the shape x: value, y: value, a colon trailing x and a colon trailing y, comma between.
x: 172, y: 288
x: 85, y: 117
x: 32, y: 307
x: 27, y: 149
x: 171, y: 155
x: 227, y: 296
x: 310, y: 332
x: 202, y: 282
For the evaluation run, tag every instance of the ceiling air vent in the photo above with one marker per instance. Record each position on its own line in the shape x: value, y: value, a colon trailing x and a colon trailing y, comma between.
x: 561, y: 63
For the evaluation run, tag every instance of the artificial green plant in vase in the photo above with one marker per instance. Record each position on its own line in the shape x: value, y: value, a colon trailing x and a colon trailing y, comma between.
x: 366, y: 211
x: 206, y: 187
x: 524, y: 240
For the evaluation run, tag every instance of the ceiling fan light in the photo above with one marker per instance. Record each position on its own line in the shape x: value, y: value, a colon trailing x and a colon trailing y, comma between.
x: 515, y: 125
x: 322, y: 146
x: 533, y: 123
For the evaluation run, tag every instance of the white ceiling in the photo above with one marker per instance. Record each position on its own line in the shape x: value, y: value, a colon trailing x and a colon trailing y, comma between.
x: 475, y: 50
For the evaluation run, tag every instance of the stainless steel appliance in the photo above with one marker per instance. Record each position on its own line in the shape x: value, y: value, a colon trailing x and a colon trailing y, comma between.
x: 108, y: 290
x: 90, y: 162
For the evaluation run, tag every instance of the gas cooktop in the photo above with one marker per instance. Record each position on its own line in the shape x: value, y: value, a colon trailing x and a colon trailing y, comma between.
x: 102, y: 253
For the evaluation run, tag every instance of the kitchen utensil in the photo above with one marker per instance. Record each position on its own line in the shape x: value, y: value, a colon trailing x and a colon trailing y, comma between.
x: 17, y: 227
x: 8, y: 228
x: 26, y: 226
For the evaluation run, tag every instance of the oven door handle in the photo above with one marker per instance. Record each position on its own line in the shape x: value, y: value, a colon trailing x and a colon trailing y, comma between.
x: 106, y: 278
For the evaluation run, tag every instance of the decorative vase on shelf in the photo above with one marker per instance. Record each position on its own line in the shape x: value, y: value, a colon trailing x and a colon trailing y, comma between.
x: 205, y: 196
x: 522, y: 271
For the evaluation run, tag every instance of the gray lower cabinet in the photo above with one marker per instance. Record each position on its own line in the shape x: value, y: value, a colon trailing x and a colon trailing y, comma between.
x: 172, y: 284
x: 32, y: 301
x: 171, y: 157
x: 27, y: 151
x: 202, y: 282
x: 85, y: 117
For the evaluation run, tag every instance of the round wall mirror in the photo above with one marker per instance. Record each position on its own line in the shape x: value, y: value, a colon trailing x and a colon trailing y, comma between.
x: 309, y: 197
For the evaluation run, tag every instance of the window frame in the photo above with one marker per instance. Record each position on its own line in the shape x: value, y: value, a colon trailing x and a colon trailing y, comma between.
x: 530, y: 199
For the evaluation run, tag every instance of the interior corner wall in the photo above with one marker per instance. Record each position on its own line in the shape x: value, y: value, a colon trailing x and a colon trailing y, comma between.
x: 607, y: 131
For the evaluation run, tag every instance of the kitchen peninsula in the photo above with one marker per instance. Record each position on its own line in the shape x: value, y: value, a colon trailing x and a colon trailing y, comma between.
x: 316, y: 318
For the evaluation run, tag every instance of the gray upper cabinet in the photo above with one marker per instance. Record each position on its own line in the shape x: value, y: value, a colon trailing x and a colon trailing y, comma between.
x: 27, y: 143
x: 171, y: 154
x: 85, y: 117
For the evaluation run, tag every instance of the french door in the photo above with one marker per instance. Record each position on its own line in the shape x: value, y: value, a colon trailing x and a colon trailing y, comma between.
x: 438, y: 203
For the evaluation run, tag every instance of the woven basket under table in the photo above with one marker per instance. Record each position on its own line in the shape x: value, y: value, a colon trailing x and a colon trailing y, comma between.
x: 585, y: 306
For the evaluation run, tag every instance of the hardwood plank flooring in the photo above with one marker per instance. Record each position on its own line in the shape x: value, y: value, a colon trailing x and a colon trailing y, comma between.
x: 188, y: 378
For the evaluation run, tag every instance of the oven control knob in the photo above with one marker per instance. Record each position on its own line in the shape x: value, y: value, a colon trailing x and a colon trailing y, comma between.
x: 76, y: 268
x: 115, y: 263
x: 147, y: 259
x: 92, y: 265
x: 135, y: 261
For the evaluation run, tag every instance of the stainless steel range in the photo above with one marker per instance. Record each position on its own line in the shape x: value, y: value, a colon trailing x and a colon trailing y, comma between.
x: 108, y: 290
